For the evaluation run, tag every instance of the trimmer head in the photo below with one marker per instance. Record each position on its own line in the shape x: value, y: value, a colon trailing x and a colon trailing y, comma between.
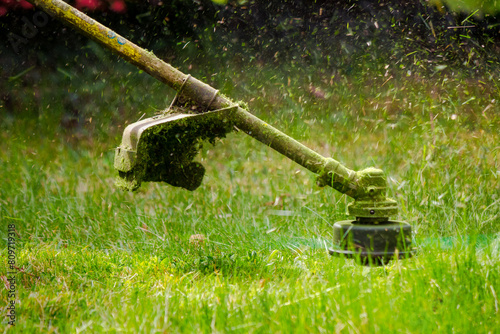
x: 162, y: 148
x: 372, y: 244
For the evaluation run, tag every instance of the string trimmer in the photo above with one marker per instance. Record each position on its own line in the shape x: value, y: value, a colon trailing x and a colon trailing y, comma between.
x: 162, y: 148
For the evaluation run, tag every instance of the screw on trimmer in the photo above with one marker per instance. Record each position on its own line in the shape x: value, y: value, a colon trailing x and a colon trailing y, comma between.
x: 162, y: 148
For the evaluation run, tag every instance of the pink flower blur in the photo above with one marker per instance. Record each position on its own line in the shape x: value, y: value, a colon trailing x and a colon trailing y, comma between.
x: 88, y: 4
x: 118, y: 6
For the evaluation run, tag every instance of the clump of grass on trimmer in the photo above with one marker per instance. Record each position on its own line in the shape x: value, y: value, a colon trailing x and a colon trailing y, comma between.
x: 162, y: 149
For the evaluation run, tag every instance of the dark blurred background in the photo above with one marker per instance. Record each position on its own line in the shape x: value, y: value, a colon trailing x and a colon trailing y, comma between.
x: 42, y: 62
x: 345, y: 32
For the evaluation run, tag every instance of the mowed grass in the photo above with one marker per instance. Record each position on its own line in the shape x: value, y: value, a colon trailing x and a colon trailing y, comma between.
x: 93, y: 258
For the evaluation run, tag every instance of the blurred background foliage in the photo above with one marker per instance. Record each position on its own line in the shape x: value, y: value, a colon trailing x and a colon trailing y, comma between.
x: 284, y: 31
x: 342, y: 35
x: 218, y: 41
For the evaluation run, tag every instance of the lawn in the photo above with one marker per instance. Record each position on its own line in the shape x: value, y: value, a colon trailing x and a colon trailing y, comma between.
x: 93, y: 258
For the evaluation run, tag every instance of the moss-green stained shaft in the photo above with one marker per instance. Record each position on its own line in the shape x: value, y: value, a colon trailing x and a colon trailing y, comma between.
x: 296, y: 151
x: 368, y: 187
x: 277, y: 140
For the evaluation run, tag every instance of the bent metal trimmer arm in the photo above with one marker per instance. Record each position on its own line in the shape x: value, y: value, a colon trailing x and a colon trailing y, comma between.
x: 162, y: 148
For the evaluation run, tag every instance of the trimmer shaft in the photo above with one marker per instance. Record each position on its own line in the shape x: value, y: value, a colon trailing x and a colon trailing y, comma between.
x: 374, y: 244
x: 162, y: 148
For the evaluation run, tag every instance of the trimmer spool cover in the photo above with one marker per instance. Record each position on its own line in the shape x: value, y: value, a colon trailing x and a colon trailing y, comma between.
x: 372, y: 243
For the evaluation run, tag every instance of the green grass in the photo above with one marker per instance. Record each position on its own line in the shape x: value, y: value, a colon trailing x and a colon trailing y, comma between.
x: 96, y: 259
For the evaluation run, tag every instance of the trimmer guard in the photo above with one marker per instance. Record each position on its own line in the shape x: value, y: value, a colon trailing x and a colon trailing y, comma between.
x: 162, y: 148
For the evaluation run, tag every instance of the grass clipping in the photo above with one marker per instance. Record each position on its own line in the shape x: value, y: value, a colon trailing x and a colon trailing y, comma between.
x: 165, y: 152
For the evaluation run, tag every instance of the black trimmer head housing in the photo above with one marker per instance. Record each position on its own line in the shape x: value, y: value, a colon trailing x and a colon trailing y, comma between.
x: 372, y: 244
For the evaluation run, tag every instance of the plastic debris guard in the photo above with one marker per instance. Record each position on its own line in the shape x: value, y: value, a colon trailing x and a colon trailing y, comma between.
x: 163, y: 148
